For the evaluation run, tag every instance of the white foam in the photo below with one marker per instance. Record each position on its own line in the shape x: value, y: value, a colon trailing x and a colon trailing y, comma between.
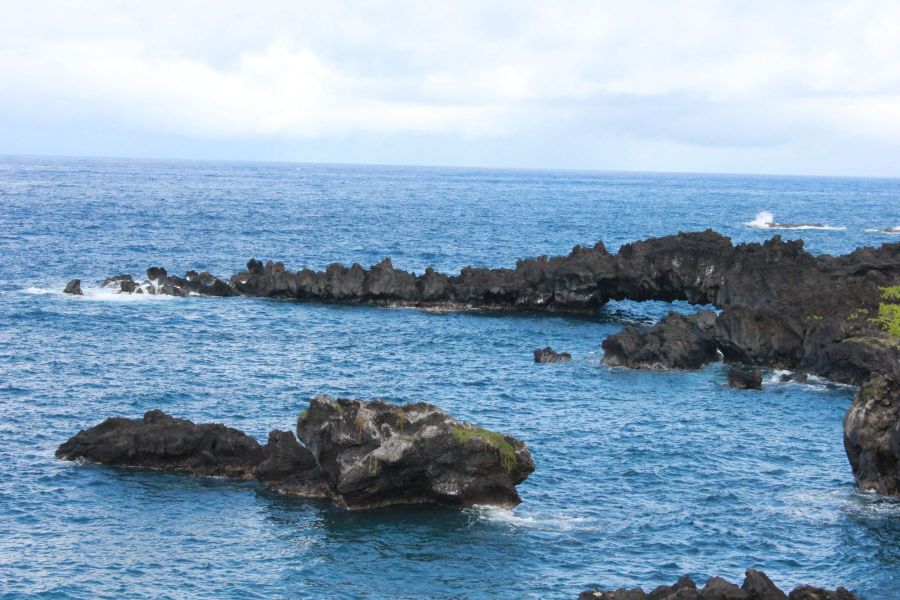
x: 886, y: 230
x: 766, y: 220
x: 546, y: 523
x: 98, y: 294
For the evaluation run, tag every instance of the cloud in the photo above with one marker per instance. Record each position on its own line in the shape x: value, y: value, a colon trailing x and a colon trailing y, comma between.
x: 701, y: 74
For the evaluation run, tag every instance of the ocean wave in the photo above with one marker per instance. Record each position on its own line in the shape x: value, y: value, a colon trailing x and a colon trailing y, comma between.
x: 552, y: 522
x: 766, y: 220
x: 98, y: 294
x: 886, y: 230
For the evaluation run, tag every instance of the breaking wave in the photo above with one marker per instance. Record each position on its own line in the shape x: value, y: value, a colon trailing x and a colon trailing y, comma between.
x: 766, y: 220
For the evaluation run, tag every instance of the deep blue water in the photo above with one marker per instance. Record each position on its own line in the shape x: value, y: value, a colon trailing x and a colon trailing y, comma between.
x: 641, y: 477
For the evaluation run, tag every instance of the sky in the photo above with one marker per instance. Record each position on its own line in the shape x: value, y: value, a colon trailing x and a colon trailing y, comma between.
x: 704, y: 86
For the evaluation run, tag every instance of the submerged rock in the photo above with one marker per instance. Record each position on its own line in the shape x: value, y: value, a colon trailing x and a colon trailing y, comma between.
x: 159, y: 441
x: 357, y: 454
x: 377, y: 454
x: 549, y: 355
x: 872, y: 435
x: 757, y: 586
x: 745, y: 378
x: 73, y: 287
x: 676, y: 342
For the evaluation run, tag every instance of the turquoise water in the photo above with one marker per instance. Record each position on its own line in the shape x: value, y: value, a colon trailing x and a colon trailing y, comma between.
x: 641, y: 477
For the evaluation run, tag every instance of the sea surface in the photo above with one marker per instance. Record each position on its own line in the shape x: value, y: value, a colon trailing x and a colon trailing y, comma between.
x: 641, y: 477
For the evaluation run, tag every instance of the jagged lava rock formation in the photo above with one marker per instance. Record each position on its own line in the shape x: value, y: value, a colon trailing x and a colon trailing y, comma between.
x: 356, y: 454
x: 757, y: 586
x: 780, y: 306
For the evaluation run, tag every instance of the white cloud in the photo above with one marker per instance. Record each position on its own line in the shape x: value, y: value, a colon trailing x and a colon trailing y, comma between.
x: 703, y: 73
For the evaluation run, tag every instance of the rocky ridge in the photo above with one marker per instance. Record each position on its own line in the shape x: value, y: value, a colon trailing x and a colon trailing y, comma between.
x: 356, y: 454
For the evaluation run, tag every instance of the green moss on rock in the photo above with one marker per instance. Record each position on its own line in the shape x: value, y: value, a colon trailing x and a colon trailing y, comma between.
x: 489, y: 438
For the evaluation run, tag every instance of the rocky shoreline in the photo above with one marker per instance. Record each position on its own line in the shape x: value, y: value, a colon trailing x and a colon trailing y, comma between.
x: 756, y: 586
x: 780, y: 307
x: 355, y: 454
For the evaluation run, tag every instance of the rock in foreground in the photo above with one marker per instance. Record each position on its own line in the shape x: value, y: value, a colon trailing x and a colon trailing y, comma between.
x: 549, y: 355
x: 872, y: 435
x: 358, y: 454
x: 159, y: 441
x: 757, y: 586
x: 377, y: 454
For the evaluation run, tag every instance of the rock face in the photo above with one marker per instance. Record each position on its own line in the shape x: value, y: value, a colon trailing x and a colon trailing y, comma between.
x: 745, y: 379
x: 159, y: 441
x: 74, y: 287
x: 357, y: 454
x: 872, y: 435
x: 549, y: 355
x: 757, y: 586
x: 676, y: 342
x: 377, y: 454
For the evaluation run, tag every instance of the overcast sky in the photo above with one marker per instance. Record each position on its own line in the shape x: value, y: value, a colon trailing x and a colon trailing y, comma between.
x: 751, y: 87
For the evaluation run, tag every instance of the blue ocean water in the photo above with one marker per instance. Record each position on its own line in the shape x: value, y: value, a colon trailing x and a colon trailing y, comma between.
x: 641, y: 477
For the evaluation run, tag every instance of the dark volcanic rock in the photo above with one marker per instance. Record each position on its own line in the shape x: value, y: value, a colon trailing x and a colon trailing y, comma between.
x: 757, y: 586
x: 378, y: 454
x: 290, y: 468
x: 360, y: 454
x: 74, y: 287
x: 549, y: 355
x: 745, y: 379
x: 872, y: 435
x: 116, y: 281
x: 159, y: 441
x: 676, y: 342
x: 157, y: 274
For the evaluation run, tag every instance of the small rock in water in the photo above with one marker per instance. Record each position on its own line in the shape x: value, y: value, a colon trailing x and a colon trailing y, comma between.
x: 745, y: 379
x: 74, y: 287
x: 549, y: 355
x: 795, y: 377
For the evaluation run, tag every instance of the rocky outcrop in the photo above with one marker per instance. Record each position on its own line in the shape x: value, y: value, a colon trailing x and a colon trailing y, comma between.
x: 377, y: 454
x: 549, y: 355
x: 357, y: 454
x: 872, y: 435
x: 757, y: 586
x: 676, y: 342
x: 159, y: 441
x: 73, y: 287
x: 743, y: 378
x: 781, y: 307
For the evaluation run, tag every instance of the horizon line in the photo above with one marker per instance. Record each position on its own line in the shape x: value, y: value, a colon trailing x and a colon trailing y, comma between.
x: 597, y: 171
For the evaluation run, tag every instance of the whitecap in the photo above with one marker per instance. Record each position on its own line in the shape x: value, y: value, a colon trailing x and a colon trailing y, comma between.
x: 98, y: 294
x: 550, y: 522
x: 766, y: 220
x: 886, y: 230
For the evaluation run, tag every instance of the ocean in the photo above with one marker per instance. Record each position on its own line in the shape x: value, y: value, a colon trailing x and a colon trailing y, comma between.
x: 641, y: 476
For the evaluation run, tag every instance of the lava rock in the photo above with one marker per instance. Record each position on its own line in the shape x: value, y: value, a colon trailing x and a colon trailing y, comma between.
x: 744, y: 378
x: 378, y: 454
x: 549, y: 355
x: 676, y: 342
x: 872, y: 435
x: 159, y: 441
x: 757, y: 586
x: 157, y: 274
x: 116, y: 281
x: 73, y: 287
x: 290, y: 468
x: 795, y: 377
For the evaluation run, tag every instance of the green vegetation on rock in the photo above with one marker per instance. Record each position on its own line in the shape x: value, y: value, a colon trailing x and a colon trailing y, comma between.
x: 889, y: 311
x: 490, y: 438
